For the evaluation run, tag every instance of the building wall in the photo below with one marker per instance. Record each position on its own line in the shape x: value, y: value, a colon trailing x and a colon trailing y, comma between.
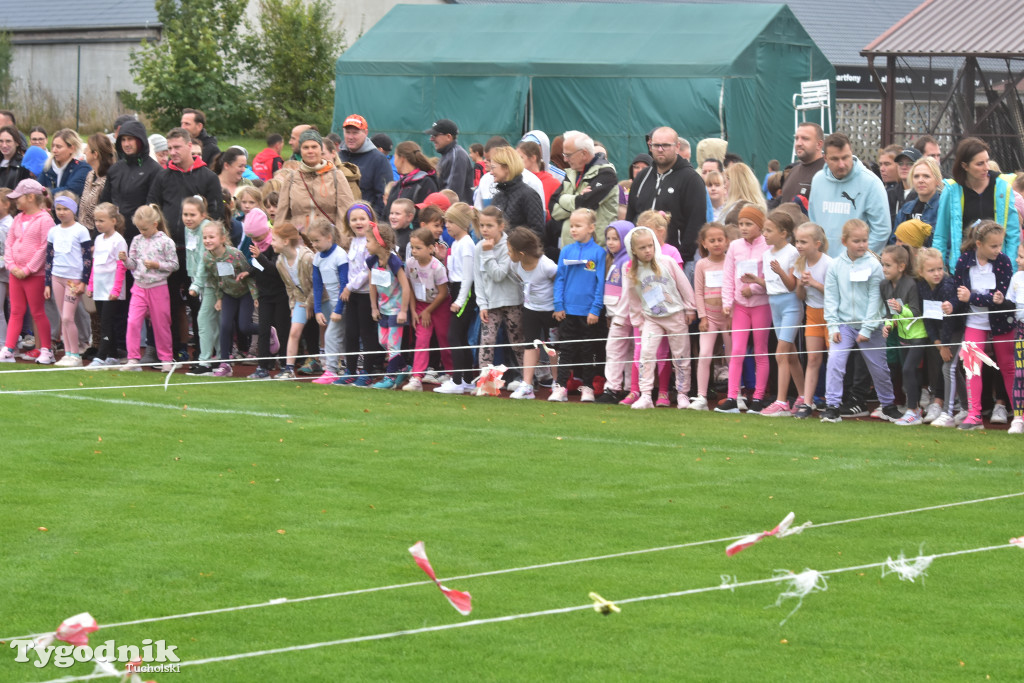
x: 356, y: 16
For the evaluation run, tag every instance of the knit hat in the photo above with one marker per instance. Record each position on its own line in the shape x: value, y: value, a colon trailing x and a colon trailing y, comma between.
x: 310, y: 134
x: 913, y: 232
x: 752, y: 213
x: 257, y: 227
x: 35, y: 160
x: 157, y: 142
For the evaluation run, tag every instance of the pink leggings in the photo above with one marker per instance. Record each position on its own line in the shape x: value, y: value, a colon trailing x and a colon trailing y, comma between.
x: 28, y: 294
x: 439, y: 319
x: 664, y: 366
x: 671, y: 330
x: 1003, y: 351
x: 717, y: 324
x: 619, y: 351
x: 154, y: 302
x: 747, y: 320
x: 67, y: 305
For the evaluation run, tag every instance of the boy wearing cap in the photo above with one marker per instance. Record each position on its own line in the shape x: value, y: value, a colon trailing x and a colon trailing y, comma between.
x: 456, y: 168
x: 374, y: 168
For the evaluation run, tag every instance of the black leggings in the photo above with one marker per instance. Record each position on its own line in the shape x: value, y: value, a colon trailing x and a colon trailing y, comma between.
x: 913, y: 352
x: 232, y: 309
x: 274, y: 313
x: 113, y: 317
x: 359, y: 326
x: 458, y: 334
x: 579, y: 357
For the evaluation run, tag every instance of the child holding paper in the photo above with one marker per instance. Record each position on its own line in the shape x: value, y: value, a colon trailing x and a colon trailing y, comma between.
x: 938, y: 300
x: 901, y: 297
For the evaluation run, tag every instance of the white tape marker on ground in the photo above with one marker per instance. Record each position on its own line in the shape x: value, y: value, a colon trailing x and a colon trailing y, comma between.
x: 168, y: 406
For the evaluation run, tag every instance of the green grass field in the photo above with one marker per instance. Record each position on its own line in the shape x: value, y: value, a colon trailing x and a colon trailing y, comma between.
x: 152, y: 508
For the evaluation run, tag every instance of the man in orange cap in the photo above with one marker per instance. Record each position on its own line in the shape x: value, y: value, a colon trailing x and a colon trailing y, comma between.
x: 374, y: 167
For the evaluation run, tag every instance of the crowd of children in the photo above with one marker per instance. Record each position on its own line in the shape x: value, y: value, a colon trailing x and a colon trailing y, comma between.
x: 391, y: 301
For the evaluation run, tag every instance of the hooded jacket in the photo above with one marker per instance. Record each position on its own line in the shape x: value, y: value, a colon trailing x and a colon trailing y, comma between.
x: 680, y: 191
x: 415, y: 186
x: 860, y: 194
x: 603, y: 197
x: 456, y: 171
x: 374, y: 170
x: 949, y: 223
x: 929, y: 215
x: 209, y: 143
x: 129, y: 179
x: 171, y: 185
x: 267, y: 163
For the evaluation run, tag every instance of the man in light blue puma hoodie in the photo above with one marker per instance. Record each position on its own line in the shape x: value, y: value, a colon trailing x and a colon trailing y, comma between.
x: 846, y: 189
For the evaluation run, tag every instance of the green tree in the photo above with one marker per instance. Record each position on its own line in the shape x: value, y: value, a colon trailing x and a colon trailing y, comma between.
x: 292, y: 63
x: 6, y: 60
x: 195, y: 64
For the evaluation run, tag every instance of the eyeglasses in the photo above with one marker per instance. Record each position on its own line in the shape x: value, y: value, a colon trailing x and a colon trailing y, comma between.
x: 569, y: 155
x: 662, y: 145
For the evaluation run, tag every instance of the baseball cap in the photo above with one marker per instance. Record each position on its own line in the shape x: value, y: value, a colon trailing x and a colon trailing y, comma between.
x: 443, y: 127
x: 356, y: 121
x: 29, y: 186
x: 437, y: 199
x: 383, y: 141
x: 910, y: 153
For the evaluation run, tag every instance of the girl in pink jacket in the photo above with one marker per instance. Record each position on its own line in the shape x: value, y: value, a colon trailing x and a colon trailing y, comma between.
x: 25, y: 253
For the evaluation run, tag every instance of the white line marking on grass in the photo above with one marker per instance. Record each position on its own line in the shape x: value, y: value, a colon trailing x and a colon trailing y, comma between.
x: 511, y: 570
x: 724, y: 586
x: 168, y: 406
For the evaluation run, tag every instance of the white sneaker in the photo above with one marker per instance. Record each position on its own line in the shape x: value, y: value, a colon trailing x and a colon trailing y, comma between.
x: 682, y: 401
x: 166, y: 367
x: 27, y: 342
x: 450, y: 387
x: 132, y: 365
x: 431, y: 377
x: 69, y: 361
x: 46, y: 357
x: 932, y: 414
x: 999, y: 415
x: 6, y: 355
x: 97, y: 364
x: 112, y: 361
x: 586, y: 394
x: 699, y: 403
x: 643, y: 403
x: 513, y: 385
x: 926, y: 397
x: 741, y: 403
x: 943, y: 420
x: 414, y: 384
x: 523, y: 391
x: 558, y: 394
x: 878, y: 414
x: 960, y: 417
x: 1017, y: 426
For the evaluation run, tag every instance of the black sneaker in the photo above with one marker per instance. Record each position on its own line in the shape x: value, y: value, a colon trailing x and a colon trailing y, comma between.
x: 755, y: 405
x: 608, y: 397
x: 832, y: 414
x: 199, y: 369
x: 546, y: 382
x: 891, y: 413
x: 804, y: 411
x: 727, y: 406
x: 853, y: 410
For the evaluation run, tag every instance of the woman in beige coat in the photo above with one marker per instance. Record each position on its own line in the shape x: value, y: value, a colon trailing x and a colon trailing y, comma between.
x: 315, y: 188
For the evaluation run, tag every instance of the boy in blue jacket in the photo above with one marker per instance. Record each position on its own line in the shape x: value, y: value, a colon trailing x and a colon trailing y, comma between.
x: 579, y: 297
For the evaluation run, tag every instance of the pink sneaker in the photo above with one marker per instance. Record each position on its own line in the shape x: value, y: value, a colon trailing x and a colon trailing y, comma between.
x: 663, y: 401
x: 275, y: 343
x: 777, y: 409
x: 631, y: 399
x: 327, y: 378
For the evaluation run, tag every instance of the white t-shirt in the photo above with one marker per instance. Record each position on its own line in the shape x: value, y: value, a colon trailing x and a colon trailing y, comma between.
x: 538, y: 285
x: 328, y: 266
x: 815, y: 297
x: 67, y: 250
x: 1015, y: 293
x: 786, y: 257
x: 104, y: 265
x: 425, y: 280
x: 978, y: 319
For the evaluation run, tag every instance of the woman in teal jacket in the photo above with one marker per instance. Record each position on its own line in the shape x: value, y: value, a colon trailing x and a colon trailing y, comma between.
x: 975, y: 193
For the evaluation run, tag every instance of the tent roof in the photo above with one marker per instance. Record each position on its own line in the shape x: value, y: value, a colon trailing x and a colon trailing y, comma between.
x: 840, y: 27
x: 984, y: 28
x: 599, y: 40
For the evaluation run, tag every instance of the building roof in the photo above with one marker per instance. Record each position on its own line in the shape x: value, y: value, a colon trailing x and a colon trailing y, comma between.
x: 841, y: 28
x: 988, y: 28
x: 49, y: 15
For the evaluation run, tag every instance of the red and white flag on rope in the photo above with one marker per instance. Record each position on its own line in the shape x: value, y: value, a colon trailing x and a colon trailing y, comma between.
x: 750, y: 540
x: 460, y: 600
x: 74, y: 630
x: 1019, y: 542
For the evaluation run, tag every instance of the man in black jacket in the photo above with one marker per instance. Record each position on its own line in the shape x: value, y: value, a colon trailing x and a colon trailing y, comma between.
x: 129, y: 178
x: 674, y: 186
x: 194, y: 121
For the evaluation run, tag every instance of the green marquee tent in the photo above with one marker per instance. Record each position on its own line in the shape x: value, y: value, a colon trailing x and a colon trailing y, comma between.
x: 613, y: 71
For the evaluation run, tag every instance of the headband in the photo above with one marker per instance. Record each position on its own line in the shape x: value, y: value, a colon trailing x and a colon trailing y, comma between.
x: 376, y: 235
x: 67, y: 203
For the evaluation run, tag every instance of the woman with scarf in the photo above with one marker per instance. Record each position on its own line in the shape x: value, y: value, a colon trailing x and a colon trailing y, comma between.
x: 64, y: 171
x: 314, y: 189
x: 99, y: 154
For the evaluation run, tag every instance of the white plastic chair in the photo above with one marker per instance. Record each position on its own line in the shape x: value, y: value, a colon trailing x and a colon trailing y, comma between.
x: 813, y: 95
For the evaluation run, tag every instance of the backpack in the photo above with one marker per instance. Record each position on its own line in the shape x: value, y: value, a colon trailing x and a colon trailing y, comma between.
x: 353, y: 175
